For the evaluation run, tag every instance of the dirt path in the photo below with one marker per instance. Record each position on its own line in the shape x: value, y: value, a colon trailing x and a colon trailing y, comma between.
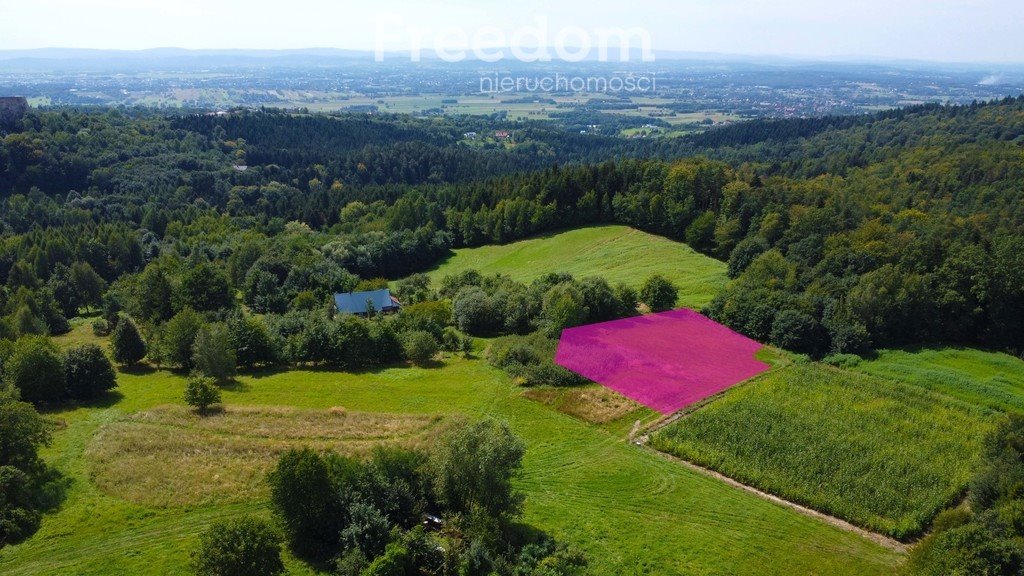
x: 879, y: 539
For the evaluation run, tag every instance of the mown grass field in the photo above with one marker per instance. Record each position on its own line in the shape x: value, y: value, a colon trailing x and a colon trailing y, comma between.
x: 880, y: 454
x: 618, y: 253
x: 989, y: 379
x: 632, y: 511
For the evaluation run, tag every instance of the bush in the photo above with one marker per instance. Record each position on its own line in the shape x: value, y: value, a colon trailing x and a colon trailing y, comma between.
x: 419, y: 346
x: 101, y: 328
x: 36, y: 370
x: 659, y: 294
x: 128, y: 346
x: 201, y: 392
x: 842, y: 360
x: 243, y: 547
x: 88, y: 372
x: 453, y: 341
x: 474, y: 311
x: 530, y: 359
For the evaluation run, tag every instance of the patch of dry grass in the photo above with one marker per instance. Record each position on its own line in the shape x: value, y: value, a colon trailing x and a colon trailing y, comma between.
x: 169, y: 456
x: 595, y: 404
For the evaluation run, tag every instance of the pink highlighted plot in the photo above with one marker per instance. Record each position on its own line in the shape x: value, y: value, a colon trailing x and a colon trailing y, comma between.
x: 664, y: 361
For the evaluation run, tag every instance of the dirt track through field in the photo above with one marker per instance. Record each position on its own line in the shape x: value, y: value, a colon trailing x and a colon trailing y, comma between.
x: 880, y: 539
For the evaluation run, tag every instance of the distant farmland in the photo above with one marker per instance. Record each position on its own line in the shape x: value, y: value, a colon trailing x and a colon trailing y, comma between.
x: 618, y: 253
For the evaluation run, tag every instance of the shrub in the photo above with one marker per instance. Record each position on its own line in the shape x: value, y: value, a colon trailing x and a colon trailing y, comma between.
x: 453, y: 341
x: 201, y: 392
x: 128, y: 346
x: 628, y: 299
x: 36, y: 370
x: 243, y: 547
x: 530, y: 359
x: 842, y: 360
x: 659, y: 293
x: 101, y: 328
x: 419, y: 346
x: 564, y: 306
x: 474, y: 311
x: 88, y: 372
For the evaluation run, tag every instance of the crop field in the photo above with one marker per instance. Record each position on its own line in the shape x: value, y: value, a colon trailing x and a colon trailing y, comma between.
x: 583, y: 482
x: 883, y: 455
x: 664, y: 361
x: 989, y: 379
x: 618, y: 253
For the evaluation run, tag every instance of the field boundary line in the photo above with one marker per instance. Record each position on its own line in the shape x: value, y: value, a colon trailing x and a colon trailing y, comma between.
x: 640, y: 437
x: 880, y: 539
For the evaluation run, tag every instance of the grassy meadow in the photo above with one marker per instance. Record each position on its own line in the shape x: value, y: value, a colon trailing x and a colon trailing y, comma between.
x: 990, y: 379
x: 618, y: 253
x: 883, y: 455
x: 584, y: 483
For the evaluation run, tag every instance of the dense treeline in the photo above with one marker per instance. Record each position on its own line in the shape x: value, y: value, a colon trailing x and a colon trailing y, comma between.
x: 841, y: 234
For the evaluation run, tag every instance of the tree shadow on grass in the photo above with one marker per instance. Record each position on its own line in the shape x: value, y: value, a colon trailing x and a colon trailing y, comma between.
x: 108, y: 399
x: 235, y: 385
x: 271, y: 371
x: 138, y: 370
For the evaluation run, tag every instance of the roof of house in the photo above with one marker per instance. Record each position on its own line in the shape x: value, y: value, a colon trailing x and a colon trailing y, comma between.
x: 355, y: 302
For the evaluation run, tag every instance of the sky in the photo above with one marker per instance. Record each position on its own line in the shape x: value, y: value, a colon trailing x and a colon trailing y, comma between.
x: 937, y: 30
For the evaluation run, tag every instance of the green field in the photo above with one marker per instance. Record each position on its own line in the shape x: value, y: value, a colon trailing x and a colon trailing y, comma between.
x: 883, y: 455
x: 618, y: 253
x: 632, y: 511
x: 989, y: 379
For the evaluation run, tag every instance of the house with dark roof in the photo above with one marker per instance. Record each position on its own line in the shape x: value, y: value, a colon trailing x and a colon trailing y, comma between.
x: 367, y: 303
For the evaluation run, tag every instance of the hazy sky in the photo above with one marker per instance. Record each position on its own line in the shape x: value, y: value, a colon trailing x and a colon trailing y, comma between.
x: 947, y: 30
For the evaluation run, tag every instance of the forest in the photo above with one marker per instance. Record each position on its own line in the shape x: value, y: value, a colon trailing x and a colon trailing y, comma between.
x: 214, y: 243
x: 842, y: 235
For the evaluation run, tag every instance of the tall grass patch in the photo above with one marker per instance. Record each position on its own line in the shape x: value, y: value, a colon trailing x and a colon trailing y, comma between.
x: 882, y: 455
x: 170, y: 456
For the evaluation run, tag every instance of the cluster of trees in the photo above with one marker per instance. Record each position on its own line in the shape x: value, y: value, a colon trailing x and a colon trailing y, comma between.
x: 987, y: 535
x: 43, y: 375
x: 450, y: 510
x: 27, y: 486
x: 498, y: 305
